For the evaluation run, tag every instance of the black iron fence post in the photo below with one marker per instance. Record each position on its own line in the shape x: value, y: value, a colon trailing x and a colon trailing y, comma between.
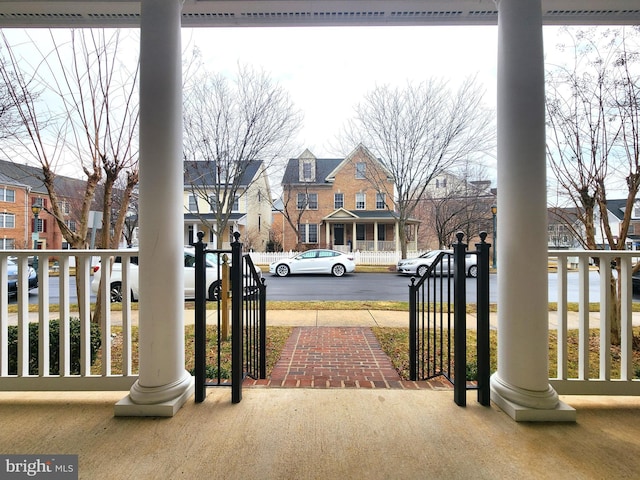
x: 263, y: 329
x: 236, y: 320
x: 460, y: 322
x: 483, y: 349
x: 413, y: 331
x: 200, y: 320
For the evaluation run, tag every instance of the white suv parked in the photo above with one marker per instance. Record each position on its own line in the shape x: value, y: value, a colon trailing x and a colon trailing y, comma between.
x: 213, y: 282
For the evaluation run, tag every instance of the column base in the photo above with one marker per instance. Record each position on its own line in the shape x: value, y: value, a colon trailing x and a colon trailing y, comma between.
x: 167, y: 408
x: 547, y: 406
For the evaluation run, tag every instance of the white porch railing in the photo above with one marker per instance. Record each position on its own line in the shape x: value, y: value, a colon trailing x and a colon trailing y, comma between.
x: 88, y: 378
x: 584, y: 382
x: 603, y: 383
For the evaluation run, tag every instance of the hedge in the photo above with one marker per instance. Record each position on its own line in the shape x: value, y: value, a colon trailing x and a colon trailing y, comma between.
x: 54, y: 346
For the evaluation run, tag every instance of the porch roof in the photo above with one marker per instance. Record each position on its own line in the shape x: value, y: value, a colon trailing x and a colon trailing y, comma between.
x: 342, y: 215
x: 211, y: 217
x: 126, y: 13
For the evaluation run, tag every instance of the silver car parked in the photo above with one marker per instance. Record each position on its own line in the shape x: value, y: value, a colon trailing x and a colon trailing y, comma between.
x: 419, y: 265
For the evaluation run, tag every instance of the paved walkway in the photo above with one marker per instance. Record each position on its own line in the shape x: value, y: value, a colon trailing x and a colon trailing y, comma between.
x: 337, y: 357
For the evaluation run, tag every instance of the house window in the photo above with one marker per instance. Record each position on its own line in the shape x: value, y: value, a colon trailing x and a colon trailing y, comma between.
x: 64, y: 207
x: 40, y: 225
x: 380, y: 203
x: 39, y: 202
x: 7, y: 195
x: 236, y: 204
x: 71, y: 224
x: 382, y: 233
x: 7, y: 244
x: 361, y: 201
x: 308, y: 200
x: 7, y: 220
x: 193, y: 205
x: 308, y: 232
x: 360, y: 231
x: 338, y: 200
x: 307, y: 171
x: 361, y: 169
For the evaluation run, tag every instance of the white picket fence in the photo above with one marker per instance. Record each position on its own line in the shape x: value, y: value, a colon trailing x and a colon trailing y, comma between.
x: 360, y: 257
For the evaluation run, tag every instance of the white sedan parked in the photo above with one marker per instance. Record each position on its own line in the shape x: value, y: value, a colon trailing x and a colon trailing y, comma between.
x: 315, y: 261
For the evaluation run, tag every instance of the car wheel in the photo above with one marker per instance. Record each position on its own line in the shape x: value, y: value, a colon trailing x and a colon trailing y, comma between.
x: 473, y: 271
x: 214, y: 291
x: 422, y: 269
x: 115, y: 293
x: 338, y: 270
x: 282, y: 270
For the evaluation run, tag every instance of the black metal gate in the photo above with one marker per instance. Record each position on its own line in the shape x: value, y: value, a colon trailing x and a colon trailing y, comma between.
x: 437, y: 309
x: 242, y: 293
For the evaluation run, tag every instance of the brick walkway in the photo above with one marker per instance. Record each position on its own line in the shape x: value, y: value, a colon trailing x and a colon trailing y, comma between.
x: 337, y: 357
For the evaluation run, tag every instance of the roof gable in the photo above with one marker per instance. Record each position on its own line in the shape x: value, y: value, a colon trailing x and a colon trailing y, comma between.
x: 360, y: 149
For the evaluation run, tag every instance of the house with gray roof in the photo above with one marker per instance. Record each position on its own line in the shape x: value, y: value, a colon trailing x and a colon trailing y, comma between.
x: 341, y: 203
x: 243, y: 199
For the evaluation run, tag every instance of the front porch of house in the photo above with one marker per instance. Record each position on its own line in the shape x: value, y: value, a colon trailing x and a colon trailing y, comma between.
x: 335, y: 433
x: 365, y: 231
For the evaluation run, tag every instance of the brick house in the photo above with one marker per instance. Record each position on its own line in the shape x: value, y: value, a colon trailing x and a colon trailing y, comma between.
x: 345, y: 204
x: 21, y: 188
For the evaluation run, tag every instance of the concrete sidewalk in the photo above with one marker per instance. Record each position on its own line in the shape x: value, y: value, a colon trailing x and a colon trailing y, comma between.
x: 344, y: 318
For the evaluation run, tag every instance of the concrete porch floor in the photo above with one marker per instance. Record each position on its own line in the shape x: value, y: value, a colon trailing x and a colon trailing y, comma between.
x: 323, y: 434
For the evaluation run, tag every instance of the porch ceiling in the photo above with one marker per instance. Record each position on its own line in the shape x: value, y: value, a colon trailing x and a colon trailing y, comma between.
x: 248, y: 13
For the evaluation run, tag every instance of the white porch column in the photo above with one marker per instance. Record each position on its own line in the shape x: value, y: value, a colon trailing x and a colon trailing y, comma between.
x: 163, y: 384
x: 375, y: 236
x: 396, y: 233
x: 353, y: 236
x: 521, y: 385
x: 327, y: 234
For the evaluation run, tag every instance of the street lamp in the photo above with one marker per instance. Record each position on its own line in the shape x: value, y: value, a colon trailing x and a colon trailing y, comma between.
x: 494, y: 211
x: 35, y: 209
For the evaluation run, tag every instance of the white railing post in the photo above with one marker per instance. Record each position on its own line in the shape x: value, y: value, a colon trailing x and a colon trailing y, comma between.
x: 65, y: 312
x: 4, y: 318
x: 605, y: 318
x: 561, y: 315
x: 583, y: 320
x: 23, y: 317
x: 626, y: 311
x: 43, y: 316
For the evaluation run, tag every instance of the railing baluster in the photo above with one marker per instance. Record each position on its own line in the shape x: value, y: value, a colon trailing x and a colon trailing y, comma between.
x: 23, y: 317
x: 4, y: 319
x: 64, y: 294
x: 626, y: 337
x: 605, y: 318
x: 583, y: 321
x: 561, y: 318
x: 43, y: 317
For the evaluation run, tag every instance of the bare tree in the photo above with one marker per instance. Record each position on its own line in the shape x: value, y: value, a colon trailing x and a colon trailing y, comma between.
x: 88, y: 121
x: 231, y: 127
x: 461, y: 203
x: 593, y: 114
x: 418, y: 132
x: 90, y: 125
